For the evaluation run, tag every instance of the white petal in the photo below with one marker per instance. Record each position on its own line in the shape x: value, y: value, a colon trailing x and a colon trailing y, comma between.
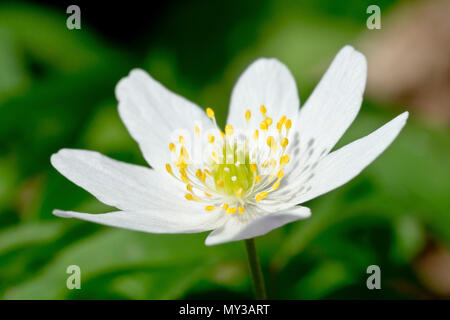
x: 118, y: 184
x: 152, y: 113
x: 342, y: 165
x: 151, y: 221
x: 267, y: 82
x: 235, y: 229
x: 334, y: 103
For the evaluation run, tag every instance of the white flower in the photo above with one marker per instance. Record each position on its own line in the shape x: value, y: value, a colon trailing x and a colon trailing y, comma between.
x: 281, y: 160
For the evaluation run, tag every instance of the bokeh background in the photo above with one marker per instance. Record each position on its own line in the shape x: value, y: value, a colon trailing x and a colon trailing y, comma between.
x: 57, y: 90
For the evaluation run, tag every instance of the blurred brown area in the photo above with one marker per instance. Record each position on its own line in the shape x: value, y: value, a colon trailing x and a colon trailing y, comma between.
x: 409, y: 58
x: 432, y: 268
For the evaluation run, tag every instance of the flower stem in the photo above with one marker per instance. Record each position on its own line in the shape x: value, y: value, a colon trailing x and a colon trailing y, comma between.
x: 255, y: 268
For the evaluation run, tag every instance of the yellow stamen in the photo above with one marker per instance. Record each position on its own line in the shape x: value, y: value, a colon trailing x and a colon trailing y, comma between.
x: 171, y: 146
x: 263, y: 109
x: 256, y: 135
x: 253, y: 167
x: 211, y: 138
x: 284, y: 160
x: 280, y: 174
x: 184, y: 178
x: 181, y: 140
x: 189, y: 187
x: 229, y: 129
x: 225, y: 206
x: 288, y: 124
x: 273, y: 163
x: 248, y: 114
x: 270, y: 141
x: 220, y: 183
x: 189, y: 196
x: 209, y: 208
x: 269, y: 121
x: 241, y: 210
x: 197, y: 130
x: 279, y: 127
x: 231, y: 210
x: 263, y: 125
x: 258, y: 179
x: 276, y: 185
x: 210, y: 113
x: 207, y: 194
x: 169, y: 168
x: 284, y: 142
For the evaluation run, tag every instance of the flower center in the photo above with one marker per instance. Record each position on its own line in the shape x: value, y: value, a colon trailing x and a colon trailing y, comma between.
x: 237, y: 169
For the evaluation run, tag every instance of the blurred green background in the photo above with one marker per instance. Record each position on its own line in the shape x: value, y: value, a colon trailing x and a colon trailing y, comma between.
x: 57, y: 90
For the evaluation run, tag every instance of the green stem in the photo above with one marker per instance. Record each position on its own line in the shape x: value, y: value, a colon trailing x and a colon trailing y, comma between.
x: 255, y: 268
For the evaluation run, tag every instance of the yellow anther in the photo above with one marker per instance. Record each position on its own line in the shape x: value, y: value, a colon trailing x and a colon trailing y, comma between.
x: 270, y: 141
x: 282, y: 120
x: 220, y: 183
x: 284, y: 142
x: 211, y: 138
x: 210, y: 113
x: 207, y: 172
x: 171, y: 146
x: 239, y: 192
x: 263, y: 125
x: 181, y: 140
x: 288, y: 124
x: 180, y: 162
x: 253, y: 167
x: 231, y: 210
x: 256, y: 135
x: 280, y: 174
x: 184, y: 178
x: 269, y: 121
x: 169, y: 168
x: 184, y: 153
x: 263, y: 109
x: 284, y: 160
x: 279, y: 127
x: 241, y: 210
x: 276, y: 185
x: 208, y: 194
x: 264, y: 194
x: 197, y: 130
x: 248, y: 114
x: 258, y: 179
x: 189, y: 187
x: 258, y: 197
x: 189, y: 196
x: 225, y: 206
x: 229, y: 129
x: 273, y: 163
x: 222, y: 133
x: 209, y: 208
x: 198, y: 173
